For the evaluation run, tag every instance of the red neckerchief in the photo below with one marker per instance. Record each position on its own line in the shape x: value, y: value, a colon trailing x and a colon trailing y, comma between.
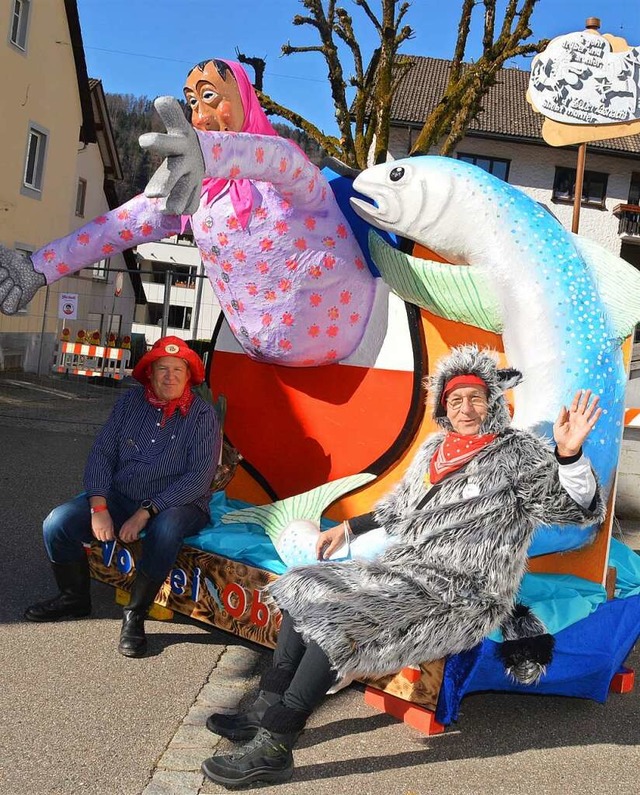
x: 169, y: 406
x: 455, y: 451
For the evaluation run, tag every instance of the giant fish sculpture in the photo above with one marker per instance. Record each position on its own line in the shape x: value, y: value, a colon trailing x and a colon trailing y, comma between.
x: 562, y: 303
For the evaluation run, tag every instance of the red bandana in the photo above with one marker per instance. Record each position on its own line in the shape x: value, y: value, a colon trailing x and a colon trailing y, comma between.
x: 169, y: 406
x: 455, y: 451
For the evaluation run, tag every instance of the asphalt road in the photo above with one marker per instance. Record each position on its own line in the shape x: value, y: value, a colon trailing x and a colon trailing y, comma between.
x: 79, y: 718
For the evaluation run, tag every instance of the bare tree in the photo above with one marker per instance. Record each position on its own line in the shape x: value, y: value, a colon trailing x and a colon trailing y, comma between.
x: 367, y: 119
x: 364, y: 124
x: 469, y: 83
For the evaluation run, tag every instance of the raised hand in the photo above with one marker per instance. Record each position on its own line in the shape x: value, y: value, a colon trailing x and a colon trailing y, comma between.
x: 575, y: 423
x: 178, y: 180
x: 19, y: 282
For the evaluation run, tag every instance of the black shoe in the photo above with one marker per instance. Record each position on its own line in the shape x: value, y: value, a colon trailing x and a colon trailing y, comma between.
x: 267, y: 758
x: 243, y: 725
x: 133, y: 640
x: 73, y: 599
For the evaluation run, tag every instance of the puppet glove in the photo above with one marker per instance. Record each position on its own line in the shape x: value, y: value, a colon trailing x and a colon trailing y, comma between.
x: 19, y: 281
x: 178, y: 180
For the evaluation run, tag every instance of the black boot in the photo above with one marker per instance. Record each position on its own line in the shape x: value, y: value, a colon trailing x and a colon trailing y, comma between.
x: 268, y: 757
x: 244, y: 725
x: 73, y: 599
x: 133, y: 641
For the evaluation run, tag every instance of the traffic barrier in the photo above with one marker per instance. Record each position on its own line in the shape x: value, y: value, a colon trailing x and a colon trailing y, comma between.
x: 91, y: 360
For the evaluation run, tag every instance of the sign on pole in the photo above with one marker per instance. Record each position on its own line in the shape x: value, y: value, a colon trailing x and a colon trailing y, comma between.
x: 68, y: 306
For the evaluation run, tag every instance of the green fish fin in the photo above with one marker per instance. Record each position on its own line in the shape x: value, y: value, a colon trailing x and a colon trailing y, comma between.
x: 454, y: 292
x: 273, y: 518
x: 618, y: 282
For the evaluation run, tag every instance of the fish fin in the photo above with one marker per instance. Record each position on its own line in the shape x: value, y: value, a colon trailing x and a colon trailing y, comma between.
x: 273, y: 518
x: 618, y: 282
x: 454, y: 292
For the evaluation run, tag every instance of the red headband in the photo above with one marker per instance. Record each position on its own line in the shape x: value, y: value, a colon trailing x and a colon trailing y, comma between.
x: 462, y: 380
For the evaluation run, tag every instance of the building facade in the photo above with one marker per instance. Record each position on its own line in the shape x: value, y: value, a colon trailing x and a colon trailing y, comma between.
x: 506, y: 139
x: 57, y: 163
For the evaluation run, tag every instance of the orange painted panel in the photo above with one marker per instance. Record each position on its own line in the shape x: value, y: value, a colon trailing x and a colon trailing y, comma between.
x: 301, y: 427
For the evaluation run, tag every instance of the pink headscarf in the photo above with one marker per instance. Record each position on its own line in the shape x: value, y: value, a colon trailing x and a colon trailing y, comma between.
x: 255, y: 121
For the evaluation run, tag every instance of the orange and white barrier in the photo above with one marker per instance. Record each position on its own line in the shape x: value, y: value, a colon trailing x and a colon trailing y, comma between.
x: 632, y: 418
x: 91, y: 360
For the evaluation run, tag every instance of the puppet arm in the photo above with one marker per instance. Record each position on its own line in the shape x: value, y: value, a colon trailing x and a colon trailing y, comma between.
x: 137, y: 221
x: 192, y: 154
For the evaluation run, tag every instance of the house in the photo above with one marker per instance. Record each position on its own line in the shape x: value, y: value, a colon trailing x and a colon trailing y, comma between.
x: 58, y: 163
x: 172, y: 267
x: 506, y: 140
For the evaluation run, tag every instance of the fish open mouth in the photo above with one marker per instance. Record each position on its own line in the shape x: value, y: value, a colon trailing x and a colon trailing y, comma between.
x: 366, y: 209
x: 382, y: 211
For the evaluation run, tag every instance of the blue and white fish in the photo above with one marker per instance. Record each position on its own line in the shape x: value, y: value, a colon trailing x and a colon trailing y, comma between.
x: 562, y: 303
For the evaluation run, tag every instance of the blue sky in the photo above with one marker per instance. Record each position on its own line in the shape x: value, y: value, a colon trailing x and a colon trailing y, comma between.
x: 146, y: 47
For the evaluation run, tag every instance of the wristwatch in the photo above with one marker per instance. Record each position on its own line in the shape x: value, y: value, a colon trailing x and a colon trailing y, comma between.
x: 149, y: 507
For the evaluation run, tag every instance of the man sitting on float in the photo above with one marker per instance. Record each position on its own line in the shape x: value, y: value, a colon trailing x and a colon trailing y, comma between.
x: 458, y: 529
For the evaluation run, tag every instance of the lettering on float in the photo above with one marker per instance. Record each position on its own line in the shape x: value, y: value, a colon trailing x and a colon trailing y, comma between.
x: 236, y: 600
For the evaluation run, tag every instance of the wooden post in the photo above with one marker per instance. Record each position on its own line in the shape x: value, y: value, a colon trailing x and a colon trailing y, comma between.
x: 582, y: 156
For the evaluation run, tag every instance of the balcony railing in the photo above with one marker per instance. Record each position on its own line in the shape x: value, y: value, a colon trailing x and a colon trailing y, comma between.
x: 628, y: 219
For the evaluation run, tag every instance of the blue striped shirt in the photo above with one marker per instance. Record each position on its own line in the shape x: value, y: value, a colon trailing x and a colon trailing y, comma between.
x: 171, y: 465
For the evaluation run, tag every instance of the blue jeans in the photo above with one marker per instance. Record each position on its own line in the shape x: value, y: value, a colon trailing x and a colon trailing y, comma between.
x: 68, y: 527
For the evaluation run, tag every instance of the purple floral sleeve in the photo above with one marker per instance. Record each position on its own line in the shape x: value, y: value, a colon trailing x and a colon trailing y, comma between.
x: 137, y: 221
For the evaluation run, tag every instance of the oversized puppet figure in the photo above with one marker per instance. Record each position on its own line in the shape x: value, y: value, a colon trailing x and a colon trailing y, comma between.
x: 285, y: 266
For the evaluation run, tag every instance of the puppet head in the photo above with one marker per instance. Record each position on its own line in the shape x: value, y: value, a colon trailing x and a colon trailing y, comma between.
x: 470, y: 360
x: 220, y: 96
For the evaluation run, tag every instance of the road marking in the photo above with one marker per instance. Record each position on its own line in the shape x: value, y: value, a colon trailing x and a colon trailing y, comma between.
x: 45, y: 389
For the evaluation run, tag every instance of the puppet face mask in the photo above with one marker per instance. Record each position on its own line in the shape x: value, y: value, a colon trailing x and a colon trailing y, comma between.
x: 215, y: 102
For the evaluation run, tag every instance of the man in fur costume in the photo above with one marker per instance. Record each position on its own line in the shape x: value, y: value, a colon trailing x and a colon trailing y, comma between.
x: 459, y: 525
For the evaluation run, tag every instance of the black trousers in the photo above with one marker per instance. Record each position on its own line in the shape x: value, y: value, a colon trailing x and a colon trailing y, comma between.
x: 308, y: 665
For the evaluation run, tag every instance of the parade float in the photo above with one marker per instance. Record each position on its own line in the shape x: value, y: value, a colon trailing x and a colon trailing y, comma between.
x: 329, y: 329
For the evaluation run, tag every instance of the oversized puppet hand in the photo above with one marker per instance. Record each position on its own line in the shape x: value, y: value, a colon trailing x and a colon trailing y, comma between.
x: 179, y: 179
x: 19, y: 281
x: 574, y: 424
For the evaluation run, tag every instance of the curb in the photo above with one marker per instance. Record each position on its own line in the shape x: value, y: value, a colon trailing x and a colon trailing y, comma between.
x: 178, y: 769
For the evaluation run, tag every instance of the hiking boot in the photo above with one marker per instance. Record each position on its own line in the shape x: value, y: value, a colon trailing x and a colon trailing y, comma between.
x: 267, y: 757
x: 243, y: 725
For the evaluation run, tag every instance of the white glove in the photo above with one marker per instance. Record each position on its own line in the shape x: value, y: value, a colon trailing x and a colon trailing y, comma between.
x: 178, y: 180
x: 19, y: 281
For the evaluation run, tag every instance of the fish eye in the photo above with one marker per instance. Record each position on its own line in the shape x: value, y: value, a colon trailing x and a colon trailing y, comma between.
x: 396, y: 174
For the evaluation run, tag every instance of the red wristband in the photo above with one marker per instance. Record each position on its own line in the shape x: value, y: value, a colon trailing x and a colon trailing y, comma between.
x: 98, y: 508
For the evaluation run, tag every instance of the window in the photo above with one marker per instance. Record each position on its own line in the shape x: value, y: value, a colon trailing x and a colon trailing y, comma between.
x: 81, y: 195
x: 34, y: 161
x: 183, y: 276
x: 594, y: 187
x: 19, y: 23
x: 179, y: 316
x: 494, y: 165
x: 101, y: 270
x: 634, y: 189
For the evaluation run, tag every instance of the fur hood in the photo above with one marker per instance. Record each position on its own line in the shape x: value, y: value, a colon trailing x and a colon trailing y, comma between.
x: 470, y: 360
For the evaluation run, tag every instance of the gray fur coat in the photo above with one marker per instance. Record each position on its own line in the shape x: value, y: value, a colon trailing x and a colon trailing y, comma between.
x: 453, y: 577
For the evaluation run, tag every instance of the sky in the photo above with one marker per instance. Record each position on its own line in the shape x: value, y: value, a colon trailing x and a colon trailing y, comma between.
x: 146, y: 47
